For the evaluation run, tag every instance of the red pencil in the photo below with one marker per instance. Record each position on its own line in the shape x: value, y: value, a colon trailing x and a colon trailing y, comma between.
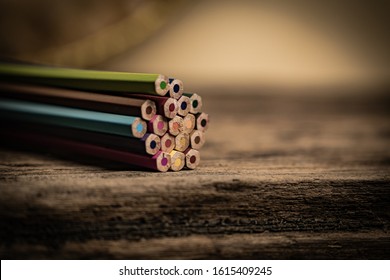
x: 167, y: 143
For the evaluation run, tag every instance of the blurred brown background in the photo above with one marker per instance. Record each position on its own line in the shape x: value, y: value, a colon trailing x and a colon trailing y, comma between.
x: 229, y: 44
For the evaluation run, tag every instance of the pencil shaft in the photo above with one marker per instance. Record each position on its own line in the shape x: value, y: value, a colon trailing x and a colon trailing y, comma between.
x: 75, y: 118
x: 159, y: 162
x: 85, y: 79
x: 134, y: 145
x: 80, y: 99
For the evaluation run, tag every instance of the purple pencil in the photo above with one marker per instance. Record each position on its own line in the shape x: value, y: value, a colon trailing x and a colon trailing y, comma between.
x: 159, y: 162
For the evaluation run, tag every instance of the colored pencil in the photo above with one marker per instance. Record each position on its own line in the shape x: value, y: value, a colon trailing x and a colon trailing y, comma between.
x: 175, y: 125
x: 167, y: 143
x: 177, y: 160
x: 166, y: 106
x: 202, y: 121
x: 155, y: 84
x: 182, y: 141
x: 195, y: 102
x: 158, y: 125
x: 80, y: 99
x: 175, y: 88
x: 159, y: 162
x: 184, y: 106
x: 71, y: 117
x: 192, y: 158
x: 148, y: 144
x: 188, y: 123
x: 197, y: 139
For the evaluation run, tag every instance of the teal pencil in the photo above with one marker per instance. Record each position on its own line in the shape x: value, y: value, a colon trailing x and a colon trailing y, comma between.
x: 71, y: 117
x: 86, y: 79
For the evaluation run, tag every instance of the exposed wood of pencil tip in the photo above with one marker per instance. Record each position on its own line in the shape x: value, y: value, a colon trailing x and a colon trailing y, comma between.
x: 138, y: 128
x: 182, y: 141
x: 195, y: 101
x: 152, y: 143
x: 167, y: 143
x: 158, y: 125
x: 184, y: 106
x: 192, y: 158
x: 176, y: 88
x: 175, y: 125
x: 197, y: 139
x: 188, y: 123
x: 177, y: 160
x: 170, y: 108
x: 202, y: 121
x: 163, y: 161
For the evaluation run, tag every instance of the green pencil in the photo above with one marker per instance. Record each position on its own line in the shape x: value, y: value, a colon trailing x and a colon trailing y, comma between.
x: 195, y: 101
x: 154, y: 84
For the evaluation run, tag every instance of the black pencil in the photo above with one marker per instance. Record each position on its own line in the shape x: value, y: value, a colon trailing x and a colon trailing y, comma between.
x: 202, y: 121
x: 148, y: 144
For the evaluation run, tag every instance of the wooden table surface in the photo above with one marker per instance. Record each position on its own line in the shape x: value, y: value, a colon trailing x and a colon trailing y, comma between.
x: 281, y: 177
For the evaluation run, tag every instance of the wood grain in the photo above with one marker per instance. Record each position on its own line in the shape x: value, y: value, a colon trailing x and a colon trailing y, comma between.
x: 281, y: 177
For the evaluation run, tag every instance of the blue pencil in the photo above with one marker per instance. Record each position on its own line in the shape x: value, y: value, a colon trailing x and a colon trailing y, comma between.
x: 71, y: 117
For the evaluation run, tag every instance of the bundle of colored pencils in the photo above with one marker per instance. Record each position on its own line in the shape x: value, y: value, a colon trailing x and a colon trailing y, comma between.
x: 140, y: 119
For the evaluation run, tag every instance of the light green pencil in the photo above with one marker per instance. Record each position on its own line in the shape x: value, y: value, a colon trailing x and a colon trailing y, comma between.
x: 154, y: 84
